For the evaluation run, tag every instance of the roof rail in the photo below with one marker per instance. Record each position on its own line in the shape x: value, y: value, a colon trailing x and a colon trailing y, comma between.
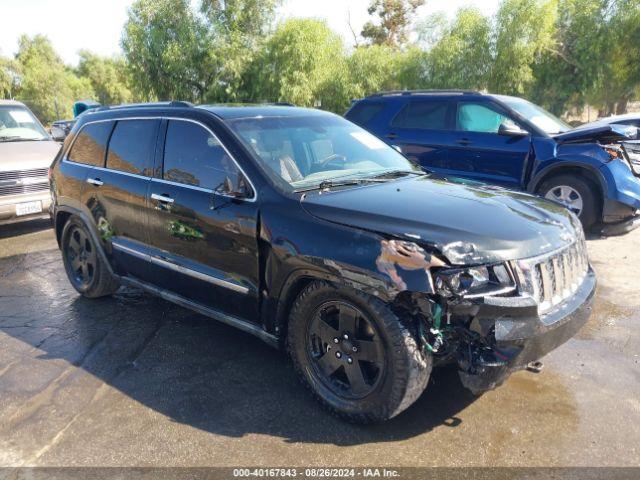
x: 420, y: 92
x: 175, y: 103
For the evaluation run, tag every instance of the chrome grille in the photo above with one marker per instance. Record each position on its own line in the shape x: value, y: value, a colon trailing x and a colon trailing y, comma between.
x: 553, y: 278
x: 17, y: 182
x: 21, y: 189
x: 18, y: 174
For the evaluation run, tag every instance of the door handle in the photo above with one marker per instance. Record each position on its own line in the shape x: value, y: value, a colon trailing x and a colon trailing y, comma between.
x: 464, y: 141
x: 95, y: 181
x: 162, y: 198
x: 392, y: 136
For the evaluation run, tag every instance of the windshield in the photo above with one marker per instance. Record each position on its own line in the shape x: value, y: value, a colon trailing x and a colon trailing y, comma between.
x: 307, y: 151
x: 542, y: 119
x: 18, y: 124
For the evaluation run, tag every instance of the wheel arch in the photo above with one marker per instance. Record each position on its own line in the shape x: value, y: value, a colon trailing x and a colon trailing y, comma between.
x: 586, y: 171
x: 62, y: 215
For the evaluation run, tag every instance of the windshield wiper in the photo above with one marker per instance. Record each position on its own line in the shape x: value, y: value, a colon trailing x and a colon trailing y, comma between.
x: 17, y: 138
x: 325, y: 184
x: 399, y: 173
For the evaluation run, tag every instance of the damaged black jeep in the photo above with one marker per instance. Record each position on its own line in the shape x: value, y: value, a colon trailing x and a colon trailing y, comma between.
x: 299, y: 227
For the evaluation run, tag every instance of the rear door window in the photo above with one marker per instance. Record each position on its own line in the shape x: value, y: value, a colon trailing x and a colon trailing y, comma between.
x: 363, y: 112
x: 132, y: 146
x: 425, y: 115
x: 194, y: 156
x: 90, y: 146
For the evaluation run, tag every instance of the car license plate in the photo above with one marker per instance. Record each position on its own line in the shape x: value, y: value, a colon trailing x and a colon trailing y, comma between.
x: 28, y: 208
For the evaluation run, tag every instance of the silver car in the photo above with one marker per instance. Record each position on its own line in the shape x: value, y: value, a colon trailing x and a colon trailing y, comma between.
x: 26, y: 152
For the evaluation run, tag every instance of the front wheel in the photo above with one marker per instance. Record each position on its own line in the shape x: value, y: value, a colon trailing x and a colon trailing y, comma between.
x: 576, y: 193
x: 85, y: 269
x: 354, y: 353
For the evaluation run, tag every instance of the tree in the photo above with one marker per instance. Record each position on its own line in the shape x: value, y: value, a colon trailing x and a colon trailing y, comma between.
x: 461, y: 58
x: 522, y: 32
x: 395, y: 18
x: 236, y: 31
x: 165, y: 46
x: 302, y: 63
x: 46, y: 84
x: 8, y: 77
x: 107, y: 77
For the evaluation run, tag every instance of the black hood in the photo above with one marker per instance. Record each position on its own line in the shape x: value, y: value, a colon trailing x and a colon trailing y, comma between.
x: 600, y: 133
x: 466, y: 224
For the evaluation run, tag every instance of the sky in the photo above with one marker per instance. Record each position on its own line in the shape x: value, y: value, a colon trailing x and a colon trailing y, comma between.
x: 96, y: 25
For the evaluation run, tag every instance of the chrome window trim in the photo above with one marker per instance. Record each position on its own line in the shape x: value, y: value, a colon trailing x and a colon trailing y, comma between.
x: 66, y: 159
x: 181, y: 269
x: 253, y: 188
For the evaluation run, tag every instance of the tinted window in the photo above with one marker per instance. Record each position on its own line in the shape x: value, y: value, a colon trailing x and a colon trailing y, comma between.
x: 132, y: 145
x: 192, y: 155
x: 474, y: 117
x: 424, y: 115
x: 363, y: 112
x: 89, y: 148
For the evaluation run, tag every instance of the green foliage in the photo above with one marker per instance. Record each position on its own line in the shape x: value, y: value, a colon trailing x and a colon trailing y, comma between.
x: 302, y: 63
x: 8, y: 77
x: 394, y: 19
x: 165, y: 45
x: 46, y: 84
x: 461, y: 58
x: 107, y: 77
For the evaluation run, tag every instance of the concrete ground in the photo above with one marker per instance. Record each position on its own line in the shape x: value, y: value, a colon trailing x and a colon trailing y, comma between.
x: 134, y: 380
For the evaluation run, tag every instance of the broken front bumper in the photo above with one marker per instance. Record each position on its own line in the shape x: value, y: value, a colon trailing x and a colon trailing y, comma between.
x: 522, y: 336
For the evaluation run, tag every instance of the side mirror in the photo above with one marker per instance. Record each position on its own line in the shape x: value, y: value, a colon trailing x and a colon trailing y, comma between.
x: 238, y: 190
x: 58, y: 133
x: 511, y: 130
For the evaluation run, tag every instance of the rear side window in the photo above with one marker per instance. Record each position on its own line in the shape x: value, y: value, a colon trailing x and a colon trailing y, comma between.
x: 363, y: 112
x: 193, y: 156
x: 91, y: 144
x: 132, y: 145
x: 423, y: 115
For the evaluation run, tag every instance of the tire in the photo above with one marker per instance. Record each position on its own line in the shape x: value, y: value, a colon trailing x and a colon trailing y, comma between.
x: 381, y: 349
x: 85, y: 269
x: 585, y: 189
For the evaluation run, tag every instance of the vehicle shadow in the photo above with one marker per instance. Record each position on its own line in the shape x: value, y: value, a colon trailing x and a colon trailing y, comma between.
x: 22, y: 228
x: 189, y: 368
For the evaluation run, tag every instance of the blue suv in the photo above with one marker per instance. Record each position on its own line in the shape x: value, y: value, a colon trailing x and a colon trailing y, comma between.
x: 513, y: 143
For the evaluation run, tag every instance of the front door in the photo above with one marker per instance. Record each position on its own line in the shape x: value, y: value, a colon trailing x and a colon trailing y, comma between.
x: 482, y: 151
x: 421, y: 131
x: 204, y: 244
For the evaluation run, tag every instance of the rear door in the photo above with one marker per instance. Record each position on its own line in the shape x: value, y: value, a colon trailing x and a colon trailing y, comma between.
x: 422, y: 131
x: 116, y: 193
x: 204, y: 244
x: 480, y: 152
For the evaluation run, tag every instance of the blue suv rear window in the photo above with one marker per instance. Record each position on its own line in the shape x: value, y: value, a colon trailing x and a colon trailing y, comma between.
x: 430, y: 115
x: 362, y: 113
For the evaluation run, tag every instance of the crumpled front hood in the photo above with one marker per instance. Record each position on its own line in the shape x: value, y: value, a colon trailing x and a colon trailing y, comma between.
x: 601, y: 133
x: 27, y: 155
x: 467, y: 224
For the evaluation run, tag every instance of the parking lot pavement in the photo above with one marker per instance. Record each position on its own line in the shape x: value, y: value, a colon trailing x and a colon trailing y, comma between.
x: 134, y: 380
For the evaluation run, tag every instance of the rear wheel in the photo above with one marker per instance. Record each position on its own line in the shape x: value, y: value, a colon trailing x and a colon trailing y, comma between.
x: 577, y: 193
x: 354, y: 353
x: 85, y: 269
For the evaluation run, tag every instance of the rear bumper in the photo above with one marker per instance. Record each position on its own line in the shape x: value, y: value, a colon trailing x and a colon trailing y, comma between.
x: 8, y: 207
x: 521, y: 336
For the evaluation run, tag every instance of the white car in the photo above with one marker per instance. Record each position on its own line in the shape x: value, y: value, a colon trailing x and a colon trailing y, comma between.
x: 26, y: 152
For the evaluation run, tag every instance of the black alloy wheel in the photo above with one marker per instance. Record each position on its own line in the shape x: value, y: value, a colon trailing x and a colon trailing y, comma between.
x: 345, y: 351
x: 81, y: 258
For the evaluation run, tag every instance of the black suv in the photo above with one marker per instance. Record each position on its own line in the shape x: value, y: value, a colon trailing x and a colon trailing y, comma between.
x: 303, y: 229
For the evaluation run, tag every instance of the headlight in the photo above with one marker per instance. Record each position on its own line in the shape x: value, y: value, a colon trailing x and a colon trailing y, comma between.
x: 475, y: 282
